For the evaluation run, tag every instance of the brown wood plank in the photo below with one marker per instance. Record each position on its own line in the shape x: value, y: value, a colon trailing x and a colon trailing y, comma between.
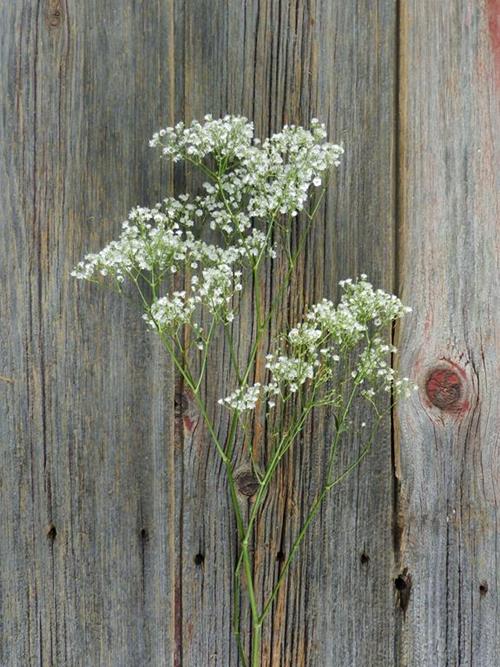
x: 85, y: 422
x: 448, y: 461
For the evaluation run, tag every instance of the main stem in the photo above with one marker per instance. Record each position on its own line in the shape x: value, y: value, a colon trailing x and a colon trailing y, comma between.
x: 244, y: 557
x: 256, y: 643
x: 245, y: 554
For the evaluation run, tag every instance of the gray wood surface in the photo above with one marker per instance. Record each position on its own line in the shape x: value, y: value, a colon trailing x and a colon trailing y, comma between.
x: 86, y: 418
x: 447, y: 461
x: 278, y: 63
x: 117, y: 544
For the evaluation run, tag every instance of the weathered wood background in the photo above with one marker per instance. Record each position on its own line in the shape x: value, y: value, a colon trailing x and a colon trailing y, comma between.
x: 115, y: 544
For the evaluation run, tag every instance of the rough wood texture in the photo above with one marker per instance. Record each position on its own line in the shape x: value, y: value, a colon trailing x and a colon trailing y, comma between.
x: 448, y: 462
x: 84, y: 488
x: 278, y: 63
x: 117, y: 547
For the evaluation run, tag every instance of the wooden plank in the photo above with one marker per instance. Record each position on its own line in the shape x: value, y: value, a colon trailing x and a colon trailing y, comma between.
x: 119, y: 547
x: 448, y: 463
x: 85, y: 425
x: 278, y: 63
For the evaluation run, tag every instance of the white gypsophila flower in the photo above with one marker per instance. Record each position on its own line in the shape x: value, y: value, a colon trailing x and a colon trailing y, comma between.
x: 171, y: 311
x: 264, y: 179
x: 314, y: 346
x: 226, y: 138
x: 285, y: 166
x: 371, y: 305
x: 252, y: 184
x: 215, y: 290
x: 219, y: 283
x: 242, y: 399
x: 304, y: 335
x: 339, y: 323
x: 150, y: 239
x: 272, y: 176
x: 289, y: 372
x: 360, y: 307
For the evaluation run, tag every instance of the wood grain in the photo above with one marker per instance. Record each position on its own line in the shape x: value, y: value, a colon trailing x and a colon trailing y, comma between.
x: 448, y: 462
x: 86, y: 422
x: 279, y: 63
x: 117, y: 544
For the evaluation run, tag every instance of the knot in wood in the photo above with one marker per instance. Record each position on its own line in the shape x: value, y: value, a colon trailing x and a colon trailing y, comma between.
x: 55, y: 13
x: 444, y: 388
x: 247, y: 483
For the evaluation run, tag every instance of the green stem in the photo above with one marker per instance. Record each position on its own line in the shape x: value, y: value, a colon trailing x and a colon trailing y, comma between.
x: 232, y: 354
x: 317, y: 503
x: 236, y: 620
x: 225, y: 453
x: 285, y: 444
x: 256, y: 643
x: 205, y: 355
x: 314, y: 509
x: 339, y: 431
x: 245, y: 554
x: 312, y: 513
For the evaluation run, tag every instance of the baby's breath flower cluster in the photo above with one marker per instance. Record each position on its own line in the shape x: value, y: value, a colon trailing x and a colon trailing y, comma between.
x: 250, y: 183
x: 259, y: 179
x: 328, y: 334
x: 191, y: 256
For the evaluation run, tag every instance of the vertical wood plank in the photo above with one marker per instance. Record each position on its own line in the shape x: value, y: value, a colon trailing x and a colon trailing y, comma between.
x: 281, y: 63
x: 448, y: 464
x: 86, y: 418
x: 351, y: 552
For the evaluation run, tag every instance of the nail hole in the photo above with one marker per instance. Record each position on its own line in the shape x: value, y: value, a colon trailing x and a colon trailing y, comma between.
x: 483, y: 587
x: 403, y: 585
x: 180, y: 404
x: 280, y: 557
x: 199, y: 559
x: 144, y: 535
x: 51, y: 532
x: 364, y: 558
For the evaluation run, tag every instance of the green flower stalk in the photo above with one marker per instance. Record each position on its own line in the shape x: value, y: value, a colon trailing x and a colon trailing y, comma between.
x: 254, y: 194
